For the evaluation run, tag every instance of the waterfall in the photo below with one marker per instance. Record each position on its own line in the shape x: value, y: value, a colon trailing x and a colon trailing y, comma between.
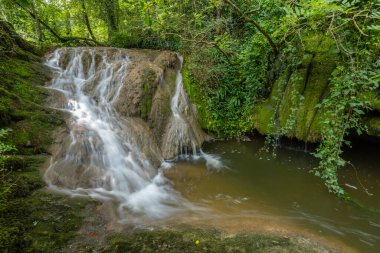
x: 100, y: 157
x: 183, y: 134
x: 110, y: 151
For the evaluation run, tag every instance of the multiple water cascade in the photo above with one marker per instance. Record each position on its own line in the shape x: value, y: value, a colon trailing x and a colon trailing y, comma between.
x: 100, y: 157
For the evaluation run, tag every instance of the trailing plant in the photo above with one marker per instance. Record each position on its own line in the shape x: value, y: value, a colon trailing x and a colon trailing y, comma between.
x: 353, y: 26
x: 346, y: 105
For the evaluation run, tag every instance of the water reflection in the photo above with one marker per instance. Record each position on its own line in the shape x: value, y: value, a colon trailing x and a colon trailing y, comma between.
x: 284, y: 193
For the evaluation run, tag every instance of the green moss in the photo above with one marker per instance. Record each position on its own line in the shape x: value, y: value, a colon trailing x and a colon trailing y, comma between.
x: 318, y: 80
x: 305, y: 89
x: 375, y: 101
x: 201, y: 240
x: 376, y: 104
x: 31, y: 220
x: 41, y: 222
x: 318, y: 43
x: 20, y: 105
x: 264, y: 112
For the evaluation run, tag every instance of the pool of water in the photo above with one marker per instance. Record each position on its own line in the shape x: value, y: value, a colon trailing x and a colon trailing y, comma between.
x: 256, y: 191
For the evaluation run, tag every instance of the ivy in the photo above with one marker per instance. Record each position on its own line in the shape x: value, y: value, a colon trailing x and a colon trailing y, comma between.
x: 345, y: 107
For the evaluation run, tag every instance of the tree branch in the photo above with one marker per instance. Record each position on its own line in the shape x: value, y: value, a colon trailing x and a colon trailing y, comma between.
x: 253, y: 11
x: 253, y: 22
x: 207, y: 43
x: 87, y: 21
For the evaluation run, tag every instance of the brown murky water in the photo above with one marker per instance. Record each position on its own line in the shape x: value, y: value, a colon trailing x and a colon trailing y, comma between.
x: 259, y: 192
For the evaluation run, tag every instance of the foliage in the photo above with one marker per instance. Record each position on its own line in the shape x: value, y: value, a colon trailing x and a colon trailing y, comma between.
x: 346, y: 106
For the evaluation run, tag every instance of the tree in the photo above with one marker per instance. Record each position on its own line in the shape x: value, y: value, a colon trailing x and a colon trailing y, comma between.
x: 86, y: 20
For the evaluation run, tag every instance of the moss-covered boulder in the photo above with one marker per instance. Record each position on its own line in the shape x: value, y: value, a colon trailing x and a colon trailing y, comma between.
x: 291, y: 109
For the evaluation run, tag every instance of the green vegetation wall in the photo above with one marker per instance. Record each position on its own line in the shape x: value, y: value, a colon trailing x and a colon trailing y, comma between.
x: 29, y: 216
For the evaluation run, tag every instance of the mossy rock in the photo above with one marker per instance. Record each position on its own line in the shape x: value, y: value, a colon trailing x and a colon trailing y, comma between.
x: 315, y: 91
x: 21, y: 105
x: 297, y: 94
x: 31, y: 219
x: 204, y: 240
x: 318, y: 43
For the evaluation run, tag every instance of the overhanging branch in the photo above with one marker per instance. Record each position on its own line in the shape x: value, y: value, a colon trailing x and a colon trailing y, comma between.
x: 253, y: 22
x: 207, y: 43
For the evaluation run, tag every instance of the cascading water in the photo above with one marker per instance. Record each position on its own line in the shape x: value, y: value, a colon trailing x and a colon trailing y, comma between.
x: 100, y: 157
x: 183, y: 135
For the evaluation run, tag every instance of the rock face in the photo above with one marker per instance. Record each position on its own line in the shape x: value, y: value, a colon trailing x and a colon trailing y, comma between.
x: 128, y: 112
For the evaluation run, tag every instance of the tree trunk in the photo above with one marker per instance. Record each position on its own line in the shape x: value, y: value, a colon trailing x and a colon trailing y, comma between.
x: 86, y: 20
x: 40, y: 35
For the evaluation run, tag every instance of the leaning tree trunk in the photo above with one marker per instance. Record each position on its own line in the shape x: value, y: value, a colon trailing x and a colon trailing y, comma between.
x: 86, y: 20
x: 40, y: 35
